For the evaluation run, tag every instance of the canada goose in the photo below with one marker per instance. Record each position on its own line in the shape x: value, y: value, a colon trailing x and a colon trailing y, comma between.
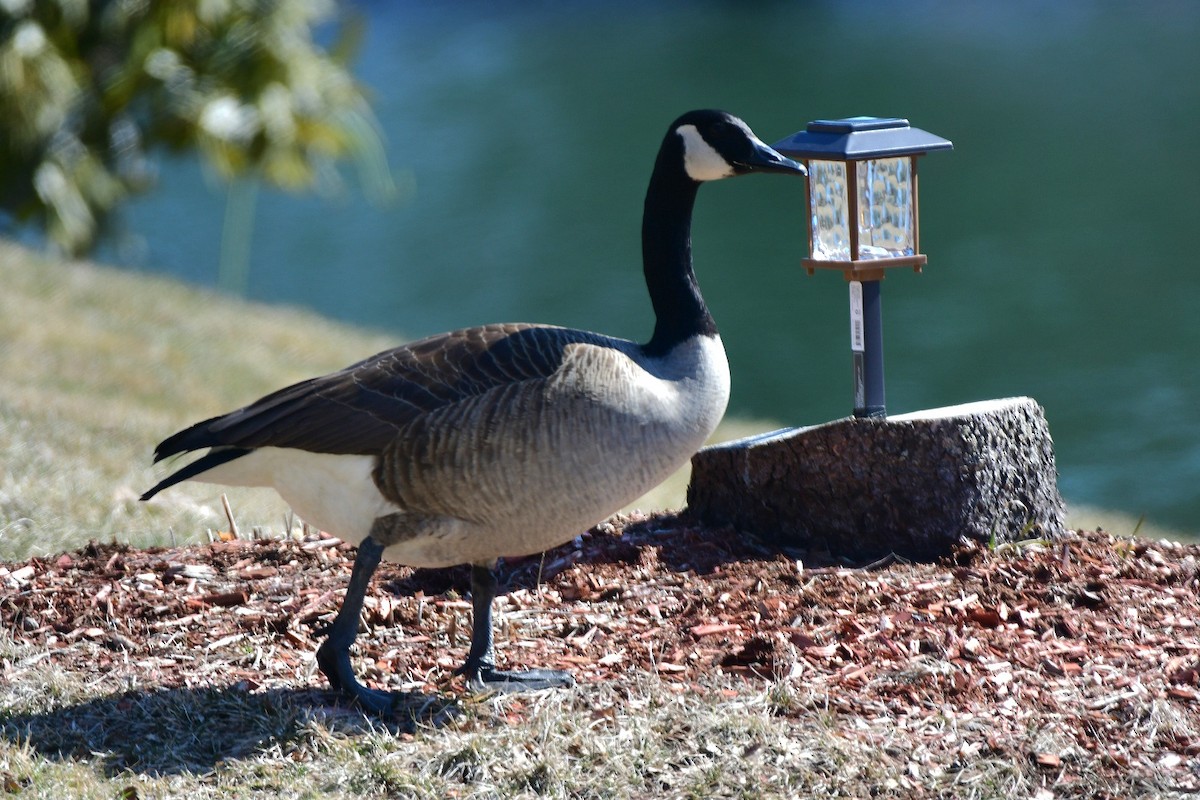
x: 501, y: 440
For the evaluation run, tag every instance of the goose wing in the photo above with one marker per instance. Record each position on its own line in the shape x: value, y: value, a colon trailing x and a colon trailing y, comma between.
x: 361, y: 409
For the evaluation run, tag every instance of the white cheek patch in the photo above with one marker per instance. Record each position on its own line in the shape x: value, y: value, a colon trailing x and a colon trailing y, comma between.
x: 701, y: 161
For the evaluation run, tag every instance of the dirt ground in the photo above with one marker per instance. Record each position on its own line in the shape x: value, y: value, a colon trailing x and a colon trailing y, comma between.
x: 1092, y: 637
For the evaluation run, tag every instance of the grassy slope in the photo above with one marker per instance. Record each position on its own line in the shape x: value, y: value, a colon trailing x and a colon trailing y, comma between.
x: 97, y: 365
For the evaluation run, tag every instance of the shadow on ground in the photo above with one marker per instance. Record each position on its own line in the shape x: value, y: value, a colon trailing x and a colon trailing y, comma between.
x: 678, y: 543
x: 172, y: 731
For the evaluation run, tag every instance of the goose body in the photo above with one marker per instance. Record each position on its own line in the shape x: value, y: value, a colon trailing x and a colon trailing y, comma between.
x: 508, y: 467
x: 499, y: 440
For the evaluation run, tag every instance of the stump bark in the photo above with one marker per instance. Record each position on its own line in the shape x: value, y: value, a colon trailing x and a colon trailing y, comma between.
x: 912, y: 484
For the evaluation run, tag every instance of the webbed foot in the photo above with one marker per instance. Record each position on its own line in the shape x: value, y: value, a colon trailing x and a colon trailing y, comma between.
x: 488, y: 679
x: 480, y: 667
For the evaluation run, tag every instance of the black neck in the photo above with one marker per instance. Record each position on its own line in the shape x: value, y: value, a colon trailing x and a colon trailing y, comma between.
x: 679, y: 309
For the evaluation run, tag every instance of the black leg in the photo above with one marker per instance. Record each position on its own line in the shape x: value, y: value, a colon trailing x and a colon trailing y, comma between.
x: 333, y: 656
x: 480, y: 666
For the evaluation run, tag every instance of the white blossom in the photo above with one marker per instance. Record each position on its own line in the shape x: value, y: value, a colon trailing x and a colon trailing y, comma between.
x: 227, y: 119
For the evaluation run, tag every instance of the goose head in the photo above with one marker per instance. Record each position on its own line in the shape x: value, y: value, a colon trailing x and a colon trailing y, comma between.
x: 719, y: 145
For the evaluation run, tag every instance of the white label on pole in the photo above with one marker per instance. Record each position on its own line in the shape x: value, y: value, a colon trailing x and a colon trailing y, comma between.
x: 857, y: 342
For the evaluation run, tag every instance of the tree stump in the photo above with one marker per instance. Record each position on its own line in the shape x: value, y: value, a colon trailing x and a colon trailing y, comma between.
x: 913, y: 484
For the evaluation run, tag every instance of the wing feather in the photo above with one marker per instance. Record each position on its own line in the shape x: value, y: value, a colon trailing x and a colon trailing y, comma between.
x: 359, y: 410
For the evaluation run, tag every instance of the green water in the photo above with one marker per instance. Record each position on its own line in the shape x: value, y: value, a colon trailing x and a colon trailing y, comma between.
x: 1058, y: 229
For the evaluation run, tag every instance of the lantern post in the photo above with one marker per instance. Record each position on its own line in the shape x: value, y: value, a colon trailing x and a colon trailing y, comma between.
x: 862, y: 219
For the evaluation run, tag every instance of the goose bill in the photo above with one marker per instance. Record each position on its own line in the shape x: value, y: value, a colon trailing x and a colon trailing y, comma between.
x: 764, y: 158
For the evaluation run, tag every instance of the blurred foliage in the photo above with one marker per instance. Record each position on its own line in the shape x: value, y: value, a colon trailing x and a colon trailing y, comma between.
x: 89, y: 87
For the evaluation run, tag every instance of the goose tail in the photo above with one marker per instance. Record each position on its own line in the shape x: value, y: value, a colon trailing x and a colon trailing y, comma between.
x: 213, y: 458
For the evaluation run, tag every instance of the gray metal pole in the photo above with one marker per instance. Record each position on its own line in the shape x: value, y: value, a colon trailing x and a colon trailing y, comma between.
x: 873, y: 357
x: 866, y: 315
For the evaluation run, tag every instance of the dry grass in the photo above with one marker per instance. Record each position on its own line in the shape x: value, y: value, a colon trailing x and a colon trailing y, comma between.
x: 99, y: 364
x: 640, y: 737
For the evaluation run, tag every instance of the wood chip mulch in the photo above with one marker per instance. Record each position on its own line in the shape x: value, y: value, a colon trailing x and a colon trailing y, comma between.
x: 1093, y: 638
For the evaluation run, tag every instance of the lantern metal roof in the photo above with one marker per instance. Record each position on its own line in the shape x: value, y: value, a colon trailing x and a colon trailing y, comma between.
x: 859, y: 138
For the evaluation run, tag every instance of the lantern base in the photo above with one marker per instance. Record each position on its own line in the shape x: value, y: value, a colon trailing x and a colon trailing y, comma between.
x: 913, y: 484
x: 871, y: 269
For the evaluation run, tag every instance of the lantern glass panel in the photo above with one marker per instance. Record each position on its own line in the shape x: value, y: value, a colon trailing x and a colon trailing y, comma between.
x: 829, y: 202
x: 885, y: 208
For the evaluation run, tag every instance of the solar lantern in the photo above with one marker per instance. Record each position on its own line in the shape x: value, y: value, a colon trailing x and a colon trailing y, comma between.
x: 863, y: 220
